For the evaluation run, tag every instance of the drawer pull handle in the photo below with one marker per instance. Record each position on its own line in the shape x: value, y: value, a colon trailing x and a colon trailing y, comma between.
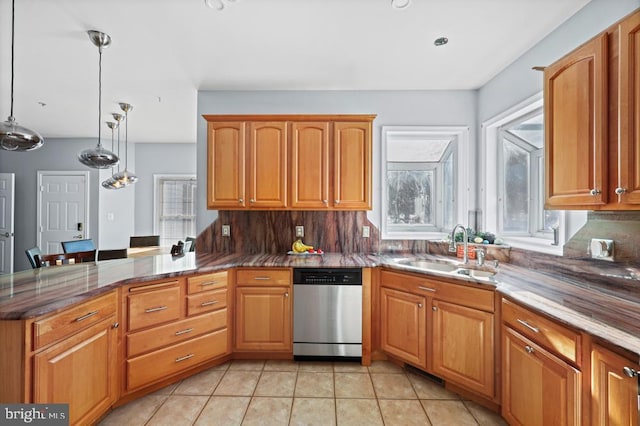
x: 185, y: 331
x: 159, y: 308
x: 426, y: 288
x: 211, y: 302
x: 262, y: 278
x: 206, y: 283
x: 529, y: 326
x: 529, y: 349
x: 184, y: 358
x: 630, y: 372
x: 84, y: 317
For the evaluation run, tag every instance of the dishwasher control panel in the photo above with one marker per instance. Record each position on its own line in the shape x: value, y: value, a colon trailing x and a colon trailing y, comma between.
x: 337, y: 276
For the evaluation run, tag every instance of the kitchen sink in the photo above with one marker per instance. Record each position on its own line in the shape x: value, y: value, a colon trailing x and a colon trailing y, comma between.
x: 449, y: 269
x: 430, y: 265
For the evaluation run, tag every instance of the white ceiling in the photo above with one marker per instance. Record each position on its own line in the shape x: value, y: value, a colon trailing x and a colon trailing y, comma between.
x: 164, y: 51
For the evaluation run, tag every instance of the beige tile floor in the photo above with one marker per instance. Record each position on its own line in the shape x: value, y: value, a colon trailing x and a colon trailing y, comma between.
x: 303, y: 393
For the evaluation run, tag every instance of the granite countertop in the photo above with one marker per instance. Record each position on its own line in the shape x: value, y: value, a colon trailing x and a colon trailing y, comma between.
x: 600, y: 302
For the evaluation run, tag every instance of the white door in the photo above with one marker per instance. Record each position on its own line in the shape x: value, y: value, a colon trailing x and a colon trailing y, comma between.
x: 7, y: 190
x: 63, y: 208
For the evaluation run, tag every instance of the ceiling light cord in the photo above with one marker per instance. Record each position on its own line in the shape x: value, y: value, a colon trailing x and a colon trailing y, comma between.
x: 99, y: 94
x: 13, y: 36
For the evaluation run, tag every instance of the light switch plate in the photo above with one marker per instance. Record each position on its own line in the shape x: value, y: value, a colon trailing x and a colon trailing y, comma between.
x: 299, y: 231
x: 226, y: 231
x: 365, y: 232
x: 601, y: 249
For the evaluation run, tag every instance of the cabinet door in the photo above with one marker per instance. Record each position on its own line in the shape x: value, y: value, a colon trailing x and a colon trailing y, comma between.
x: 226, y: 165
x: 352, y: 166
x: 463, y: 346
x: 403, y: 323
x: 81, y: 371
x: 538, y: 389
x: 263, y: 319
x: 576, y: 127
x: 614, y: 394
x: 267, y: 165
x: 629, y: 110
x: 310, y: 165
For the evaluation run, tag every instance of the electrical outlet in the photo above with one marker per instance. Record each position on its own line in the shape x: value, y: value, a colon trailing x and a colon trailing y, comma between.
x: 365, y: 232
x: 299, y: 231
x: 601, y: 249
x: 226, y: 231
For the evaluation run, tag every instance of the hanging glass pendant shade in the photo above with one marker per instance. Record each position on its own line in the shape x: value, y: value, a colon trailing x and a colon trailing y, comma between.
x: 99, y: 157
x: 14, y: 137
x: 111, y: 182
x: 125, y: 177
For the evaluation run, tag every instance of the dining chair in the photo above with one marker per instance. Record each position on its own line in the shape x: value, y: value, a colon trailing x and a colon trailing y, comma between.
x: 75, y: 246
x: 59, y: 259
x: 112, y: 254
x: 32, y: 253
x: 144, y: 241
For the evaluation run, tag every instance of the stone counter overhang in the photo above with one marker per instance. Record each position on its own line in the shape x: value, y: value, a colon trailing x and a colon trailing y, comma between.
x: 592, y: 302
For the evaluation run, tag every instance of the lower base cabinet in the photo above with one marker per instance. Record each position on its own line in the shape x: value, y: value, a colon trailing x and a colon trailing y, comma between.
x: 79, y: 371
x: 538, y: 388
x: 614, y: 389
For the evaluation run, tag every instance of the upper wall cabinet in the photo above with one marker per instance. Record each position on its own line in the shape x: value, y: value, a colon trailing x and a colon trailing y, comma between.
x: 592, y: 119
x: 292, y: 162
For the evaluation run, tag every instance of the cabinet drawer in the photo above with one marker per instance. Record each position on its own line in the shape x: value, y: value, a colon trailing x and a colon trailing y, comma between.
x: 148, y: 308
x: 72, y: 320
x: 268, y: 277
x: 457, y: 293
x: 561, y: 340
x: 160, y: 364
x: 164, y: 335
x: 206, y: 302
x: 206, y: 282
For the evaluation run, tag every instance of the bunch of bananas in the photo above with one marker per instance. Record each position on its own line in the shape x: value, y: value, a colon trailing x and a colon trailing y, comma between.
x: 299, y: 247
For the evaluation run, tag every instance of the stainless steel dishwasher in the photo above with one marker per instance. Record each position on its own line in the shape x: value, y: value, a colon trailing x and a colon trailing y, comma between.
x: 327, y: 312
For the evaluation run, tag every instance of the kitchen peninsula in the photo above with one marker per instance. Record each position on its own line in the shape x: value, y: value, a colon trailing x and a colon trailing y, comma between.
x: 94, y: 306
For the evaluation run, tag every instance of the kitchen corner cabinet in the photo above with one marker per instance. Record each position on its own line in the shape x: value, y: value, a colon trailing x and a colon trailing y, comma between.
x: 263, y: 310
x: 614, y: 388
x: 443, y: 328
x: 592, y: 124
x: 295, y: 162
x: 173, y: 326
x: 541, y: 380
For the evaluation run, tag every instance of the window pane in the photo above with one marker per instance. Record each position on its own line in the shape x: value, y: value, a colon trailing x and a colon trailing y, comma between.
x: 176, y: 209
x: 531, y: 131
x: 410, y: 197
x: 516, y: 188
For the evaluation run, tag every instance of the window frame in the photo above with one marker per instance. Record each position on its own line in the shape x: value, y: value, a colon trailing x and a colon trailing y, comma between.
x: 490, y: 205
x: 157, y: 178
x: 459, y: 134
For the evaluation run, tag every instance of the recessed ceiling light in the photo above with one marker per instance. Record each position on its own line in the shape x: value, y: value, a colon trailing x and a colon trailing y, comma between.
x: 400, y: 4
x: 441, y: 41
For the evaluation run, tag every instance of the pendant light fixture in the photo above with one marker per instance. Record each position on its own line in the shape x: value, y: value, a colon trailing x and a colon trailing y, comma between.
x: 111, y: 182
x: 99, y: 157
x: 12, y: 136
x: 107, y: 183
x: 125, y: 177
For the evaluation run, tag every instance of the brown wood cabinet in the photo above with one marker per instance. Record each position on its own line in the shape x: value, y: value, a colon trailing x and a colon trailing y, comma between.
x: 404, y: 326
x: 539, y: 387
x: 444, y: 328
x: 300, y: 162
x: 263, y: 310
x: 614, y: 388
x: 173, y: 326
x: 592, y: 148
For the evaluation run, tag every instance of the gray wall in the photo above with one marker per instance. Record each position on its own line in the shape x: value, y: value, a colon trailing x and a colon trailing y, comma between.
x: 158, y: 158
x: 442, y: 108
x: 55, y: 154
x: 518, y: 81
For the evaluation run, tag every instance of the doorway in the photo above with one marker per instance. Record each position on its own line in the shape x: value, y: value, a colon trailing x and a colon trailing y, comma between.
x: 63, y: 208
x: 7, y: 193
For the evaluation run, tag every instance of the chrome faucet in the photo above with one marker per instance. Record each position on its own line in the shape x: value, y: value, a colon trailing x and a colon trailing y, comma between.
x: 465, y: 239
